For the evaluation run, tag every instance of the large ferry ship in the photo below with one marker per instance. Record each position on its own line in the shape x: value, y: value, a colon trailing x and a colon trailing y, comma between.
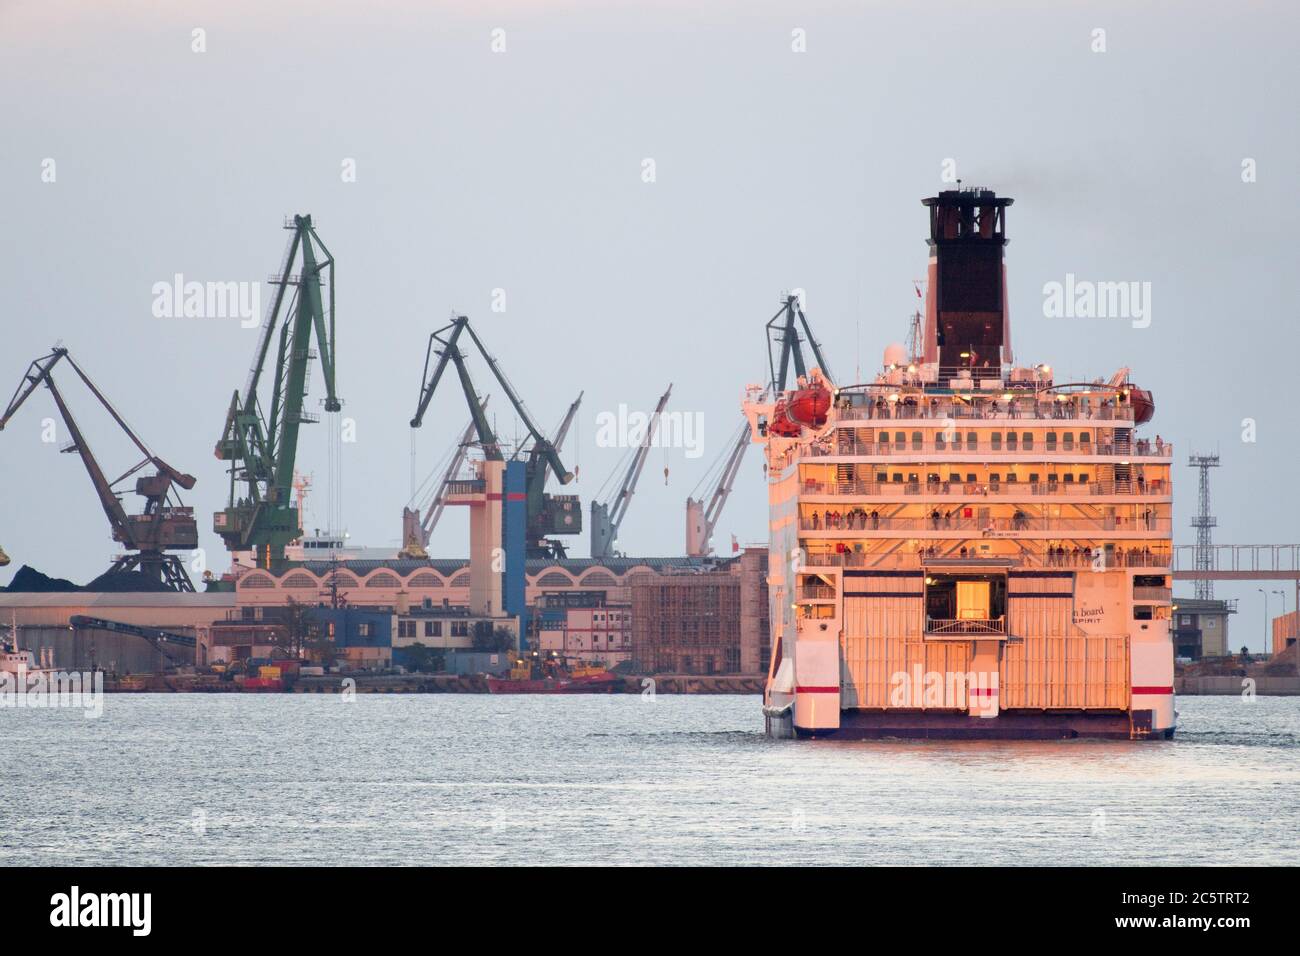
x: 964, y: 546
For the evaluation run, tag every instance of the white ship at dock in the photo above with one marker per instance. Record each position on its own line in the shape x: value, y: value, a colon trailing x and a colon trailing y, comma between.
x: 963, y: 546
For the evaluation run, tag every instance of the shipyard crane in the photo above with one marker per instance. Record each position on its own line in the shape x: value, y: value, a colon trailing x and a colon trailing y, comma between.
x: 607, y: 516
x: 701, y: 519
x: 782, y: 329
x: 547, y: 514
x: 262, y: 446
x: 418, y: 522
x: 164, y: 524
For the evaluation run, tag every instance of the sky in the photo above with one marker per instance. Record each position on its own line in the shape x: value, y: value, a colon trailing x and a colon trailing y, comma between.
x: 450, y: 150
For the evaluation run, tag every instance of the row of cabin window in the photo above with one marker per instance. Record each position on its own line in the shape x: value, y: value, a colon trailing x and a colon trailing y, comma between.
x: 1024, y: 440
x: 432, y: 628
x: 933, y: 477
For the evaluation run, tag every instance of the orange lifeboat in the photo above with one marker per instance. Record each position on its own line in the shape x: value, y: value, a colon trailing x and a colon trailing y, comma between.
x: 1144, y: 405
x: 804, y: 407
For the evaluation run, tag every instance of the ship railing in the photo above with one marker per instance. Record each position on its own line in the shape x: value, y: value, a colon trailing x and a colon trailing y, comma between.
x: 943, y: 626
x: 1022, y: 449
x: 862, y: 521
x: 816, y: 592
x: 1015, y: 489
x: 983, y: 409
x: 1081, y: 559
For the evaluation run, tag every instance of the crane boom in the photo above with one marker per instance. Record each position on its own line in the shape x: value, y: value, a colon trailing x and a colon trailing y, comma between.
x: 161, y: 525
x: 546, y: 514
x: 785, y: 326
x: 701, y: 520
x: 607, y: 516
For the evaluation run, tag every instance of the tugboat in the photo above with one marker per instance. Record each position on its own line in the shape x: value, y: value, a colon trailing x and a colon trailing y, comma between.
x: 553, y: 675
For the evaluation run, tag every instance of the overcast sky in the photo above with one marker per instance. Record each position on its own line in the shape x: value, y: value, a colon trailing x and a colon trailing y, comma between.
x: 522, y: 170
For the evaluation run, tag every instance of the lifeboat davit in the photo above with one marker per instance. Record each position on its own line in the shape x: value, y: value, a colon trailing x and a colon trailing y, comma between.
x: 1144, y: 405
x: 805, y: 407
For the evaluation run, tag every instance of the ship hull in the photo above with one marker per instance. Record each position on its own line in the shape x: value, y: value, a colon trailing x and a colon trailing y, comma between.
x: 1009, y: 725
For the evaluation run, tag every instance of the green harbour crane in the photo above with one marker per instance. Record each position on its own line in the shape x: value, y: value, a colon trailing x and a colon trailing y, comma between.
x: 261, y: 442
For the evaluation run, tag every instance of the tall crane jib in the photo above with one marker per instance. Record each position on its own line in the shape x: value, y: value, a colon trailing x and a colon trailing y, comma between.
x: 702, y: 516
x: 547, y: 514
x: 262, y: 448
x: 783, y: 330
x: 607, y: 515
x: 165, y: 524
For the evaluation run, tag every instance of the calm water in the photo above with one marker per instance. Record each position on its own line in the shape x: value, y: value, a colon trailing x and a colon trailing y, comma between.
x: 454, y: 779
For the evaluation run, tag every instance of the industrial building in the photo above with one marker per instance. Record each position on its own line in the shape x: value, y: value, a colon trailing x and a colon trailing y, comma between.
x: 708, y: 622
x: 1201, y: 627
x: 121, y: 632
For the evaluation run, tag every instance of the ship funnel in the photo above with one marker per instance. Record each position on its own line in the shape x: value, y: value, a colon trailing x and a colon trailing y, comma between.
x: 967, y: 323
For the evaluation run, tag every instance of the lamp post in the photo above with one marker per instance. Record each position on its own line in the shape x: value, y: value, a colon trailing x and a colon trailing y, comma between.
x: 1282, y: 595
x: 1265, y: 593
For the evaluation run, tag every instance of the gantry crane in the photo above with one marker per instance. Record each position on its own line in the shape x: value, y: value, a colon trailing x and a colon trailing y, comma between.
x: 262, y: 450
x: 781, y: 328
x: 701, y: 519
x: 547, y: 514
x: 607, y: 516
x: 165, y: 524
